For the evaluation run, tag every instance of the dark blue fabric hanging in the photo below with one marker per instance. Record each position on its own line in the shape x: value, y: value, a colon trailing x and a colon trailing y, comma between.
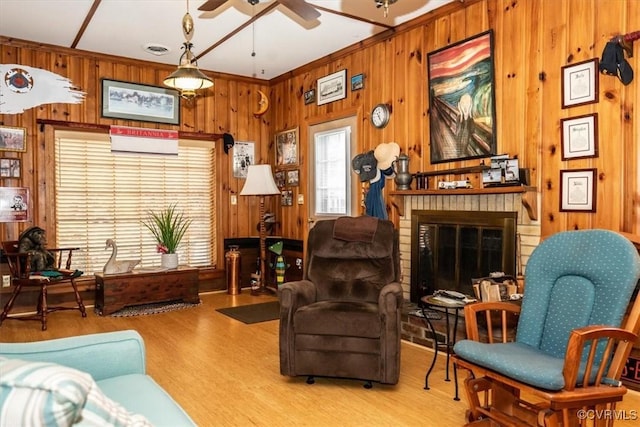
x: 373, y: 201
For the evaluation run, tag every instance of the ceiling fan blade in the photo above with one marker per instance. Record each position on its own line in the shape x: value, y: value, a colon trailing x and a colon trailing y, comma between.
x: 210, y: 5
x: 301, y: 8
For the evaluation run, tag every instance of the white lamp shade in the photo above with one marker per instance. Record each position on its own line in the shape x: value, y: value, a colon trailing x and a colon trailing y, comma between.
x: 259, y: 182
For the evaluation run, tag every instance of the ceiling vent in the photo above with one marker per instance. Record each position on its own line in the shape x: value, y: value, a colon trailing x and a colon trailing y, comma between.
x: 156, y: 49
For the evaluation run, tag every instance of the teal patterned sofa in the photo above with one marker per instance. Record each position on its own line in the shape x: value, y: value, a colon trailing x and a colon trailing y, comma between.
x: 97, y: 379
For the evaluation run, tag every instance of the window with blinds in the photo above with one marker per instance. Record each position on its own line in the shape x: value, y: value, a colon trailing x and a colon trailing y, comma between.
x: 332, y: 178
x: 102, y: 195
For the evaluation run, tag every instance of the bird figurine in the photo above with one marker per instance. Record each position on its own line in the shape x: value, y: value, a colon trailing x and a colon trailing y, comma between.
x: 280, y: 265
x: 114, y: 266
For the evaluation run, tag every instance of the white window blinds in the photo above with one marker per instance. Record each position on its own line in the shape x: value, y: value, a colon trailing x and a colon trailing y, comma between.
x: 101, y: 195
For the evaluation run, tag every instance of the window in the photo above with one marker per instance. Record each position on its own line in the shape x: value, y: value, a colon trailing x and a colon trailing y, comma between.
x: 101, y: 195
x: 333, y: 190
x: 332, y: 174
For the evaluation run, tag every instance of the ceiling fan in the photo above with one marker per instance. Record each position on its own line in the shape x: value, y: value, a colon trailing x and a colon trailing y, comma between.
x: 299, y: 7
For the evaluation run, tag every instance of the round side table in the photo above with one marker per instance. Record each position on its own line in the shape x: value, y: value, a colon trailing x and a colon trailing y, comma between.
x: 446, y: 306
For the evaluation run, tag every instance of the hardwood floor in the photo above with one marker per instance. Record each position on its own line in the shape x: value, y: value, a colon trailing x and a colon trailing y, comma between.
x: 226, y: 373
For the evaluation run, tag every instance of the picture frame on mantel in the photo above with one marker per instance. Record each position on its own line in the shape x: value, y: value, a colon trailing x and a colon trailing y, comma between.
x: 578, y: 190
x: 133, y: 101
x: 579, y: 137
x: 580, y: 83
x: 462, y: 108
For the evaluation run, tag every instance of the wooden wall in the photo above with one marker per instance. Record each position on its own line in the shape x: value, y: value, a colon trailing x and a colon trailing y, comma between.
x: 227, y: 107
x: 533, y: 40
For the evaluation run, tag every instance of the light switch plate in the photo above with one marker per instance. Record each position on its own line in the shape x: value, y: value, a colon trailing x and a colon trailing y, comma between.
x: 301, y: 199
x: 234, y: 199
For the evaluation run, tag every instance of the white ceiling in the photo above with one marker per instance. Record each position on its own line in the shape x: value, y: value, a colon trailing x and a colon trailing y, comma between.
x: 280, y: 39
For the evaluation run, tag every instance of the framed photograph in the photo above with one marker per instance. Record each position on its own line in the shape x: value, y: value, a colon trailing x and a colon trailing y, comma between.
x: 580, y: 83
x: 9, y: 168
x: 280, y: 178
x: 462, y: 108
x: 357, y: 82
x: 243, y: 156
x: 287, y: 198
x: 287, y: 147
x: 131, y: 101
x: 578, y: 190
x: 13, y: 138
x: 14, y: 204
x: 293, y: 178
x: 332, y: 87
x: 580, y: 137
x: 310, y: 96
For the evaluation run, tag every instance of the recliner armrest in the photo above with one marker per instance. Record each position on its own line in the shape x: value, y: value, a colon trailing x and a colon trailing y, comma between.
x: 297, y: 294
x: 390, y: 298
x: 103, y: 355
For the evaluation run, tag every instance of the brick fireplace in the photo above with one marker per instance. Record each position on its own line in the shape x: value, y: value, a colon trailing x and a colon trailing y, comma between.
x: 527, y: 238
x: 450, y: 248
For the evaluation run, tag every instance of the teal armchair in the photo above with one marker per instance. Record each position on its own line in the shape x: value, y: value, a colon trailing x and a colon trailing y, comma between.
x: 572, y: 338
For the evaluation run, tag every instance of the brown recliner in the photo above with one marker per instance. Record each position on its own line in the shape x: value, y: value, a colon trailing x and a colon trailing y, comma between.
x: 343, y: 319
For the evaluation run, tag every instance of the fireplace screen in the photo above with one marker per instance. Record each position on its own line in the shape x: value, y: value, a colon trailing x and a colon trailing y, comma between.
x: 449, y: 248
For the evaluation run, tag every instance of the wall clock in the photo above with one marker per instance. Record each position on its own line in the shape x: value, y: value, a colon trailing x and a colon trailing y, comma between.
x: 380, y: 115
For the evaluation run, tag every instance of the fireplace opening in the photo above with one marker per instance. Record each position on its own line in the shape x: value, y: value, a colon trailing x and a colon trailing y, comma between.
x: 449, y: 248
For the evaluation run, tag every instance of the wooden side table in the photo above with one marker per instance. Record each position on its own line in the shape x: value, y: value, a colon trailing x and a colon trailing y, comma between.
x: 116, y: 291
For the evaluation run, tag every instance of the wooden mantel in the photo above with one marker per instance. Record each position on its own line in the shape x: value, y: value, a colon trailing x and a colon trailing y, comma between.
x: 529, y: 196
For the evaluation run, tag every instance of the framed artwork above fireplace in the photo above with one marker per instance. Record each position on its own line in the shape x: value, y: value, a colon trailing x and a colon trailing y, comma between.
x: 462, y: 112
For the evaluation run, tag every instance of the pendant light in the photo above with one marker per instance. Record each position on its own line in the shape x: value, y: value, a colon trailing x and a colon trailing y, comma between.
x: 188, y: 78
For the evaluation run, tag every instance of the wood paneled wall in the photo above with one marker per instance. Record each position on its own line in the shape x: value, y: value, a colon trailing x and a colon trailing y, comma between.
x: 227, y: 107
x: 533, y: 40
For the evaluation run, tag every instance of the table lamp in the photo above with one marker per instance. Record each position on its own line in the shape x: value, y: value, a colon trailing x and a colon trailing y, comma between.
x: 260, y: 182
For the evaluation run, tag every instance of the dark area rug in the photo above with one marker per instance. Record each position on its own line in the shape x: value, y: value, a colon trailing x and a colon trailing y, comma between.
x: 253, y: 313
x: 153, y: 308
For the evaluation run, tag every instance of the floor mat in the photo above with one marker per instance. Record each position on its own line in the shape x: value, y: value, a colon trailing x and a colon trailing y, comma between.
x: 253, y: 313
x: 153, y: 308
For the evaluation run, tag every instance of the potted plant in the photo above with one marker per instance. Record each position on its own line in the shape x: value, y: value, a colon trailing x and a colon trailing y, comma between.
x: 168, y: 227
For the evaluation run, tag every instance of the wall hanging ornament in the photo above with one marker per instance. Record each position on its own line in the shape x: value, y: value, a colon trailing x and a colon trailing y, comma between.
x: 23, y: 87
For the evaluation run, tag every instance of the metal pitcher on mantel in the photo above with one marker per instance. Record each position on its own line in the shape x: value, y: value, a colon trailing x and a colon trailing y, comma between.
x: 403, y: 177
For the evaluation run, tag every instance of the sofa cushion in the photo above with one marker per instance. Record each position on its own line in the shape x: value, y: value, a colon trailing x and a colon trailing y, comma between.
x: 43, y: 393
x: 140, y: 394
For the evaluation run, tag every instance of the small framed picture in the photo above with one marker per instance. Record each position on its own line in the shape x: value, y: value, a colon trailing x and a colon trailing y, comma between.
x: 332, y: 87
x: 357, y: 82
x: 287, y: 198
x: 13, y: 138
x: 293, y: 177
x: 580, y: 137
x: 280, y: 179
x: 14, y: 204
x: 578, y: 190
x: 287, y: 147
x: 580, y: 83
x: 243, y: 157
x: 310, y: 96
x: 9, y: 168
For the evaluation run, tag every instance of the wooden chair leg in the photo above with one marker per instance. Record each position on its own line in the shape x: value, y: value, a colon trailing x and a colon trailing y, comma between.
x: 9, y: 305
x: 78, y: 298
x: 43, y: 307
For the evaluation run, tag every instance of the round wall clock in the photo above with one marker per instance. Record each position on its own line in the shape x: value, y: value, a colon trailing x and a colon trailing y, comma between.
x: 380, y: 115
